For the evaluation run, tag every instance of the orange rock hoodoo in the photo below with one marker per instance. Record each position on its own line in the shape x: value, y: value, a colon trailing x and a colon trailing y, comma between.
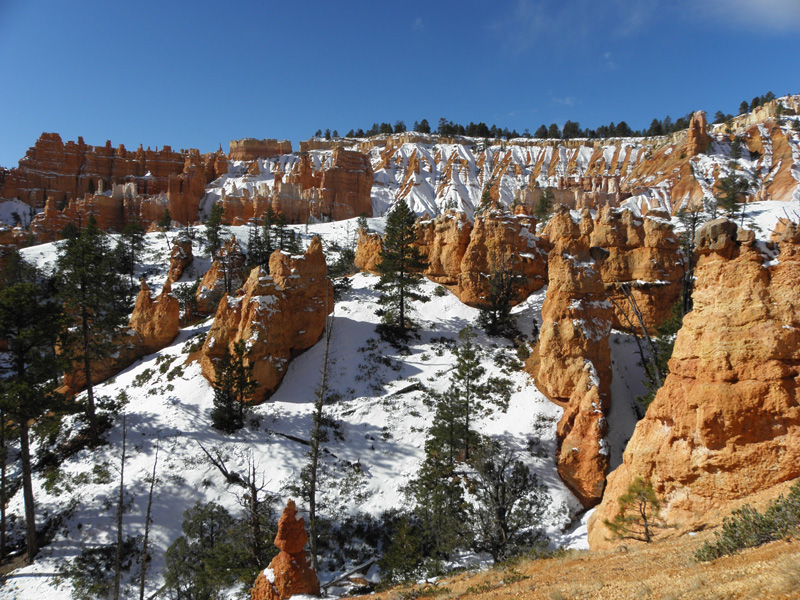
x: 180, y: 257
x: 142, y: 183
x: 460, y: 254
x: 278, y: 315
x: 726, y: 422
x: 289, y: 572
x: 571, y: 363
x: 644, y: 255
x: 153, y: 325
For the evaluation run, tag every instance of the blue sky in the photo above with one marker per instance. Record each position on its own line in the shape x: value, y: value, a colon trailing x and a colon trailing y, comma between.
x: 197, y: 74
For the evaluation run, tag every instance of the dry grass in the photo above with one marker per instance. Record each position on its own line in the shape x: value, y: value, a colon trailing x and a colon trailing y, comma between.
x: 663, y: 570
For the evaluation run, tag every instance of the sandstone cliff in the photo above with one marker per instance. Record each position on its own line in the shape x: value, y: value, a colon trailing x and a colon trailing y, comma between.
x: 249, y: 149
x: 571, y: 362
x: 226, y: 275
x: 726, y: 422
x: 278, y: 314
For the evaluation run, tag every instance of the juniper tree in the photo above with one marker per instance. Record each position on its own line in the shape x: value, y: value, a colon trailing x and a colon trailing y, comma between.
x: 232, y: 386
x: 30, y: 322
x: 96, y: 300
x: 400, y: 269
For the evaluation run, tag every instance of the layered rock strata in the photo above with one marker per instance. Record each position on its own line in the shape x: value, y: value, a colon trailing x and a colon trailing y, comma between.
x: 289, y: 573
x: 571, y: 362
x: 278, y: 315
x: 726, y: 422
x: 248, y: 149
x: 180, y: 256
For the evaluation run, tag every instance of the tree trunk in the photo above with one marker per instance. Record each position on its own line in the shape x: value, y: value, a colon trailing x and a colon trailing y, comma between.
x: 27, y: 492
x: 2, y: 484
x: 94, y: 436
x: 143, y: 579
x: 120, y: 507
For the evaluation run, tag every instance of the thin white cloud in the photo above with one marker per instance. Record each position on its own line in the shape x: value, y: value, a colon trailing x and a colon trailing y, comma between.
x: 531, y: 22
x: 610, y: 63
x: 776, y: 15
x: 566, y: 101
x: 418, y: 25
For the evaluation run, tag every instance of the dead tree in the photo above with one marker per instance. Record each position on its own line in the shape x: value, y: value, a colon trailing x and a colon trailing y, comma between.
x: 147, y: 521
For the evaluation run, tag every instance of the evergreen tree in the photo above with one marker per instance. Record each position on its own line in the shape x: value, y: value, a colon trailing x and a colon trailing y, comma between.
x: 736, y: 148
x: 541, y: 133
x: 509, y: 500
x: 399, y: 127
x: 96, y: 301
x: 554, y: 133
x: 572, y: 129
x: 656, y: 128
x: 744, y: 108
x: 129, y: 247
x: 214, y: 228
x: 729, y: 188
x: 544, y: 206
x: 400, y: 268
x: 165, y: 222
x: 504, y: 283
x: 639, y: 513
x: 232, y: 386
x: 30, y: 323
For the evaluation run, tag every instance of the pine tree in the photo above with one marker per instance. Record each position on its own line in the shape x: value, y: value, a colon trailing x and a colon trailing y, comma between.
x: 130, y: 246
x: 504, y: 283
x: 509, y: 500
x: 96, y: 300
x: 214, y: 228
x: 544, y: 206
x: 639, y: 516
x: 232, y: 386
x: 400, y: 271
x: 30, y: 322
x: 729, y: 188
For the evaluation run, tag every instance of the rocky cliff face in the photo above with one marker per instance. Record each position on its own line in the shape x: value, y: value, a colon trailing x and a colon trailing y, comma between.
x: 644, y: 255
x: 333, y: 187
x: 289, y: 572
x: 249, y: 149
x: 114, y: 184
x: 278, y: 314
x: 571, y: 362
x: 726, y: 423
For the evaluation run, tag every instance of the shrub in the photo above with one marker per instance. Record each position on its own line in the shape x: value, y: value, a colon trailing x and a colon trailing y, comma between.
x: 748, y: 528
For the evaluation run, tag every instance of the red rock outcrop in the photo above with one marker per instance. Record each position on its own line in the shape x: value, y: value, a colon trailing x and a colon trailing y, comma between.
x: 225, y: 276
x: 289, y: 572
x: 460, y: 254
x: 278, y: 315
x: 180, y: 257
x: 250, y: 148
x: 571, y: 362
x: 346, y: 187
x: 78, y: 177
x: 645, y: 256
x: 726, y: 422
x: 153, y: 325
x: 697, y: 137
x: 368, y: 250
